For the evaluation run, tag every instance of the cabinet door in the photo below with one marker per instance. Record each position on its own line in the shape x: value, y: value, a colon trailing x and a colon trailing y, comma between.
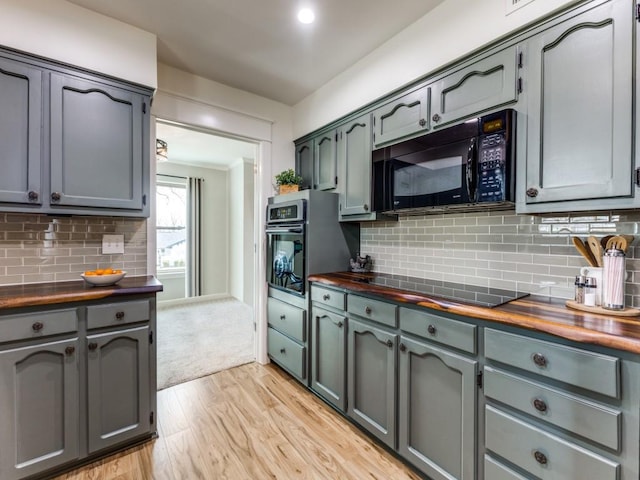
x: 97, y: 145
x: 328, y: 365
x: 304, y: 163
x: 354, y: 160
x: 580, y: 110
x: 371, y: 380
x: 118, y: 387
x: 483, y: 85
x: 406, y: 116
x: 39, y: 402
x: 437, y: 410
x: 20, y: 132
x: 325, y: 161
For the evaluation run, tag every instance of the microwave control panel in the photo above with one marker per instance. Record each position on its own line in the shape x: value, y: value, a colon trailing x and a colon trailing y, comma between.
x: 492, y: 154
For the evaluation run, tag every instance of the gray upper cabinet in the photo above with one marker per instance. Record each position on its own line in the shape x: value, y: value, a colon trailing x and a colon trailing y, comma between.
x: 403, y: 117
x: 371, y: 380
x: 96, y: 145
x: 437, y: 410
x: 325, y: 161
x: 304, y: 163
x: 354, y: 163
x: 39, y: 402
x: 20, y: 132
x: 118, y: 387
x: 485, y: 84
x: 579, y: 115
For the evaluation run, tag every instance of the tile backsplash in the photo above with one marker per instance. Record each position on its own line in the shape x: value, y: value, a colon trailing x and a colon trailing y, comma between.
x: 39, y: 248
x: 500, y: 249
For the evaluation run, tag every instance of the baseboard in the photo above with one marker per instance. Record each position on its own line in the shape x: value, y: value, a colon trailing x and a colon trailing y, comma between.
x: 192, y: 300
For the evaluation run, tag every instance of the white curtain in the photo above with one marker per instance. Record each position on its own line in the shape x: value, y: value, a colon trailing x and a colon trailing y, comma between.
x: 194, y: 237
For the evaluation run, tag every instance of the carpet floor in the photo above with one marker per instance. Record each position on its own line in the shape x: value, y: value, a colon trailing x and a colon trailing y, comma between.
x: 201, y: 338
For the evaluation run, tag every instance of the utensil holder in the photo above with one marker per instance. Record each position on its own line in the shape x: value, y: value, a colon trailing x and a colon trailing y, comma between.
x: 613, y: 276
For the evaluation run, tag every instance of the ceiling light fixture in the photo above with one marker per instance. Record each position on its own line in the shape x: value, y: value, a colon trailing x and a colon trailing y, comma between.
x: 161, y: 150
x: 306, y: 15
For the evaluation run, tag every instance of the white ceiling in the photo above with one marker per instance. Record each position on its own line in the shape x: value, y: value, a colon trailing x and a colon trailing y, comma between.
x: 258, y: 45
x: 188, y: 146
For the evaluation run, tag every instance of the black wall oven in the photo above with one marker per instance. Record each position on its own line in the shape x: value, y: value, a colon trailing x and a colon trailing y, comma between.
x: 466, y: 165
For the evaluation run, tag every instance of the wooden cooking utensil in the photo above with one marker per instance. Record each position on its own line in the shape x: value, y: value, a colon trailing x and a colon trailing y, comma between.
x: 584, y: 251
x: 596, y: 249
x: 618, y: 242
x: 604, y: 240
x: 628, y: 238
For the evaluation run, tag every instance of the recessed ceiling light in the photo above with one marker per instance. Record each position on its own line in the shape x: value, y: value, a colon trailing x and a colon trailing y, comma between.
x: 306, y: 15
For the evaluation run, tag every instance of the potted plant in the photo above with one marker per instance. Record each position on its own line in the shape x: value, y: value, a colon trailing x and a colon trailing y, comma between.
x: 287, y: 181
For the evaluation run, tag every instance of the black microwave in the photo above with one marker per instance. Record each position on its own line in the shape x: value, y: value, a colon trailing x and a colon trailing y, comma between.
x: 462, y: 166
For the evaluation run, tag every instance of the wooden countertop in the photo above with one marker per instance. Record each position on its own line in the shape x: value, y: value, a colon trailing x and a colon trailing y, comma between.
x: 542, y: 314
x: 35, y: 294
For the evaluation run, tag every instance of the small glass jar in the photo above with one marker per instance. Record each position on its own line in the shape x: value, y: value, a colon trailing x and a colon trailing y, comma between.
x: 579, y: 289
x: 590, y: 287
x: 613, y: 277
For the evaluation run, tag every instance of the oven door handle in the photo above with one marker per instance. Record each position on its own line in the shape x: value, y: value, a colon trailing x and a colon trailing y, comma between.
x: 273, y: 230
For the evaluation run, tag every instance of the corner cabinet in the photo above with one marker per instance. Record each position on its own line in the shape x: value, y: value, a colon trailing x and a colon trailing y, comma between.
x: 580, y: 113
x: 316, y: 161
x: 73, y: 142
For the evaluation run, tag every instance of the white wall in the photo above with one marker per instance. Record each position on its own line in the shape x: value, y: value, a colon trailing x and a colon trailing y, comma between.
x: 62, y: 31
x: 241, y: 231
x: 215, y: 224
x: 452, y: 30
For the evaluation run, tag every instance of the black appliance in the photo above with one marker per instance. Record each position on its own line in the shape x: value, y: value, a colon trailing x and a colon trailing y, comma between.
x: 305, y: 237
x: 470, y: 165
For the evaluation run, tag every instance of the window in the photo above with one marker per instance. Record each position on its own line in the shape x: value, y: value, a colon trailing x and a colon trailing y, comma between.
x: 171, y: 224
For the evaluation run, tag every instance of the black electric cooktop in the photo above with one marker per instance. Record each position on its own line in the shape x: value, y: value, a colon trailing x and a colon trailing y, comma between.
x: 459, y: 292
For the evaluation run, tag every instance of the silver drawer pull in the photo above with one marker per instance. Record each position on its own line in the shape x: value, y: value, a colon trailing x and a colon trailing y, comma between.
x: 326, y: 297
x: 539, y: 359
x: 37, y: 326
x: 282, y: 317
x: 540, y: 405
x: 431, y: 329
x: 283, y: 351
x: 367, y: 310
x: 540, y: 457
x: 119, y: 315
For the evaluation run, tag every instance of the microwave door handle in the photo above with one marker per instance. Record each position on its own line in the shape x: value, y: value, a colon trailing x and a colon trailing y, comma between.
x: 472, y: 170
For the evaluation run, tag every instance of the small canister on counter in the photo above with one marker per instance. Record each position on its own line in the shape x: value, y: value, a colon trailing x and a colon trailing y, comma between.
x: 613, y: 277
x: 579, y: 289
x: 590, y: 287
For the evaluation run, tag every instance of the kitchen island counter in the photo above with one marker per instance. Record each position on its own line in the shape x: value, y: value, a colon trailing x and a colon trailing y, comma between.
x: 533, y: 312
x: 38, y: 294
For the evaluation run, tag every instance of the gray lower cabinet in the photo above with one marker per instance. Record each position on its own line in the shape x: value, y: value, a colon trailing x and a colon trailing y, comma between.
x: 437, y: 398
x: 328, y: 356
x: 20, y: 132
x: 287, y: 337
x: 39, y: 403
x: 118, y: 386
x: 70, y: 391
x: 402, y: 117
x: 580, y: 114
x: 371, y: 379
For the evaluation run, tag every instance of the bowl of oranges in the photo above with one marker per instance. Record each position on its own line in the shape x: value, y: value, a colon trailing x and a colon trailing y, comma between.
x: 103, y: 276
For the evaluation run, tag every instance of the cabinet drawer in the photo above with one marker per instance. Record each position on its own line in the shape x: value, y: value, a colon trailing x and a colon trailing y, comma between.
x: 496, y: 471
x: 36, y: 325
x: 592, y: 371
x: 328, y: 297
x: 375, y: 310
x: 588, y: 419
x: 117, y: 314
x: 287, y: 319
x: 439, y: 329
x: 286, y: 352
x: 544, y: 455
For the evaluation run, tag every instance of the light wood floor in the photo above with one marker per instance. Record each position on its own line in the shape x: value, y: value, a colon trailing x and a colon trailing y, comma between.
x: 250, y: 422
